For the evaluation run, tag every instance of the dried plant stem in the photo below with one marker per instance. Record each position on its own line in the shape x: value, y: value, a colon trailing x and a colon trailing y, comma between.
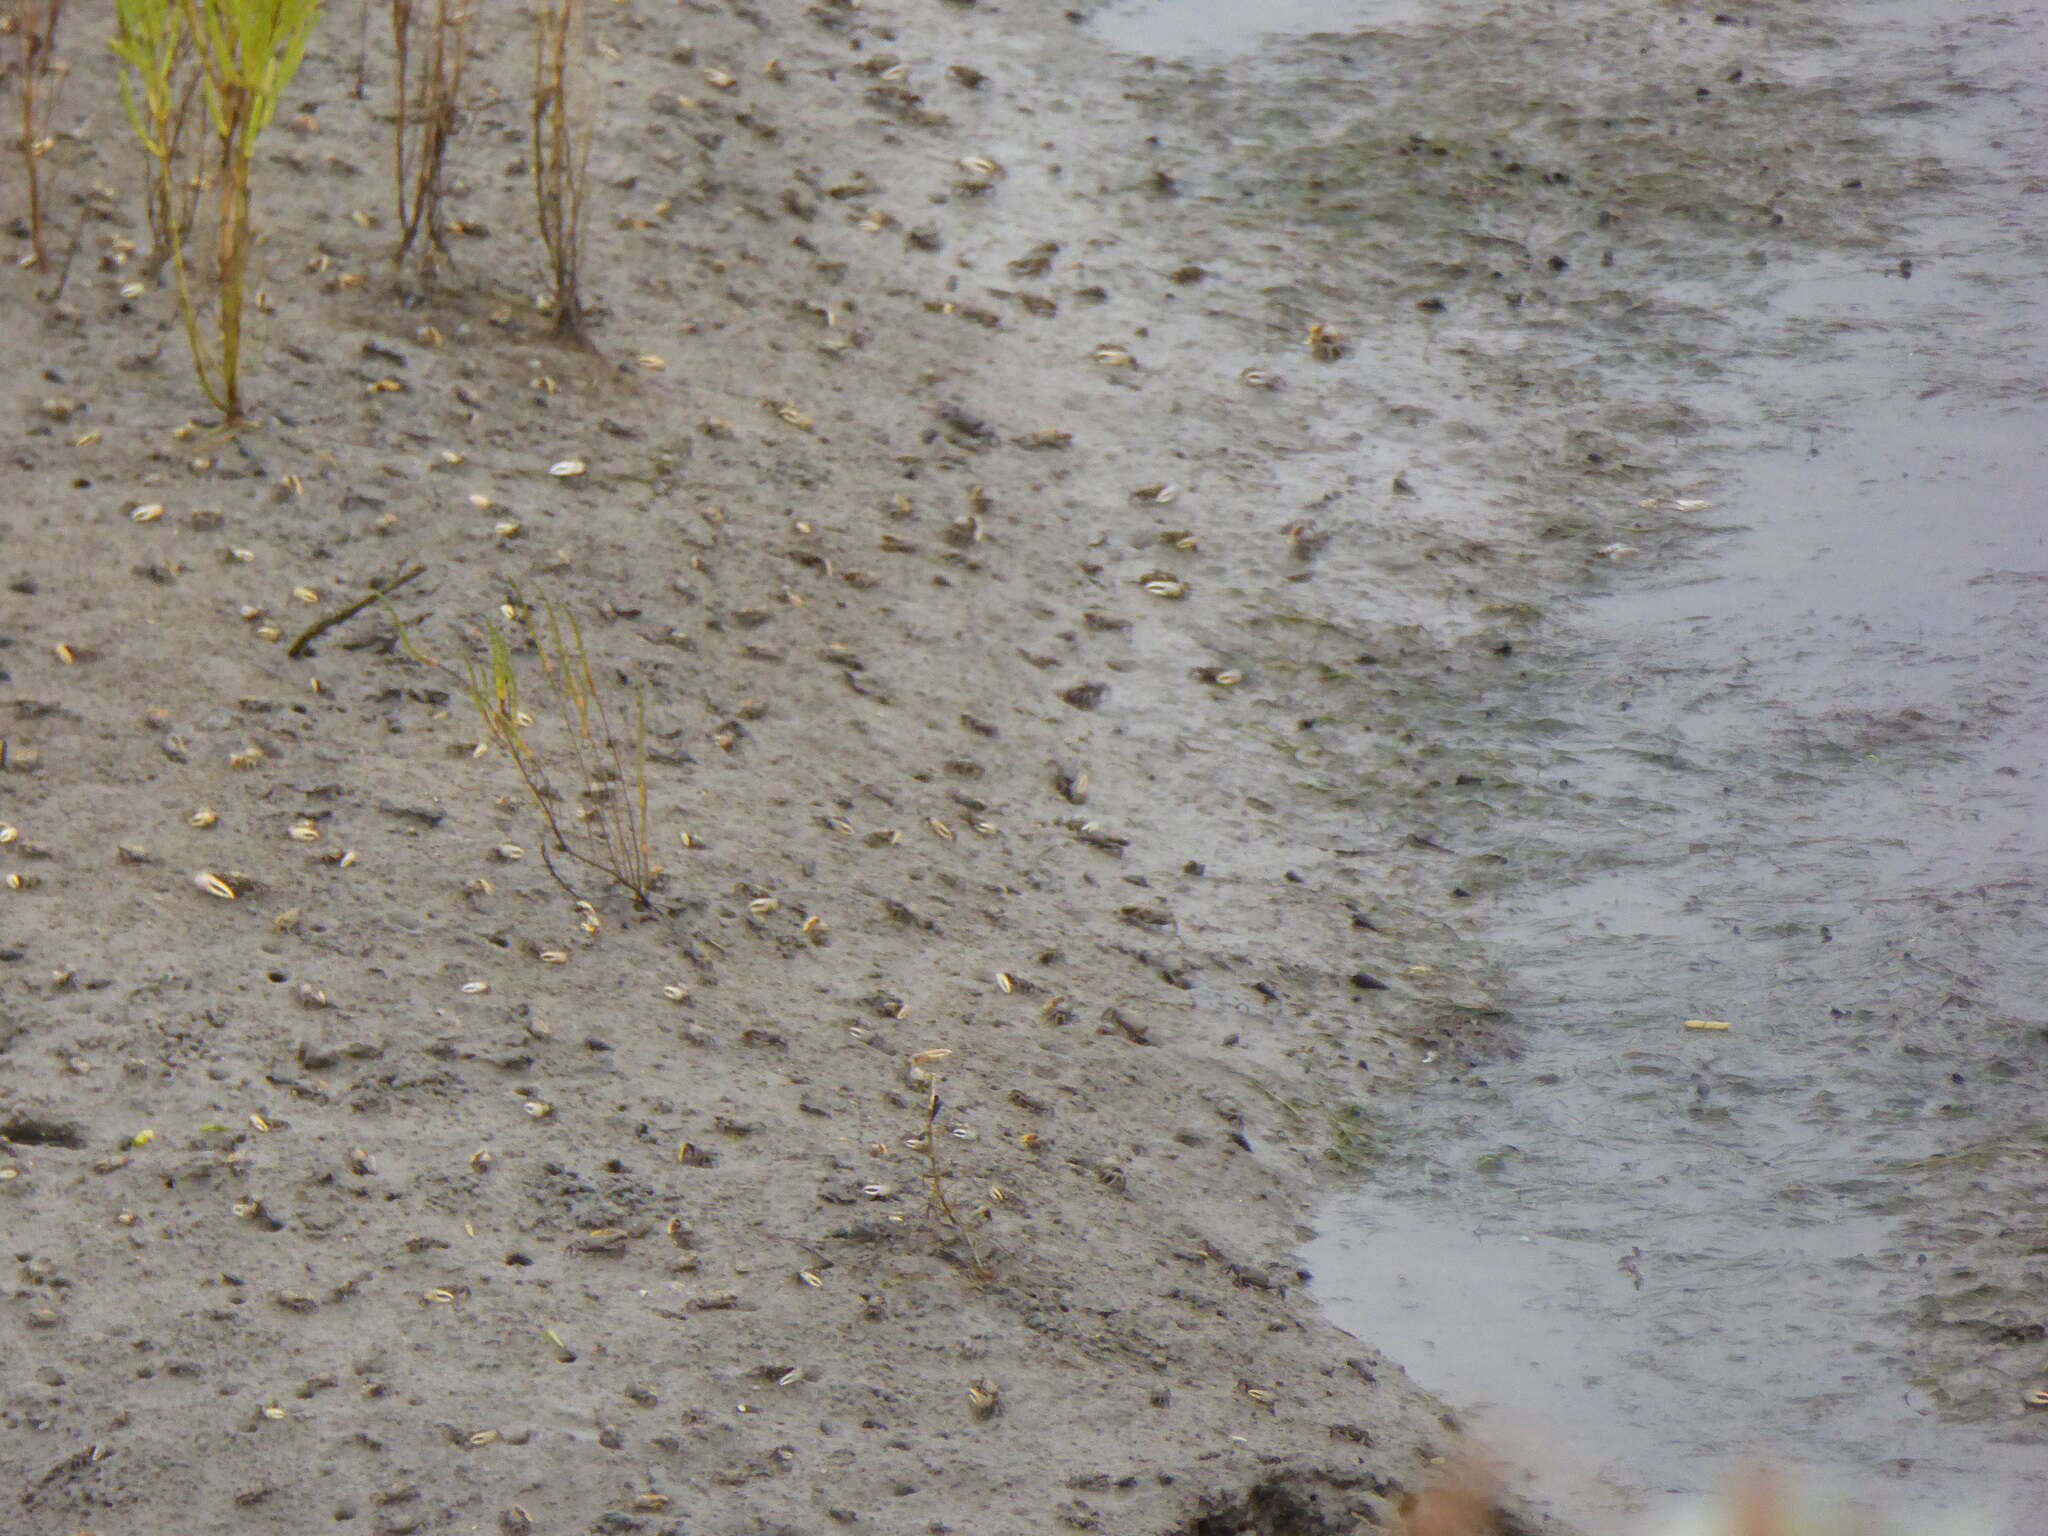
x: 362, y: 69
x: 39, y: 77
x: 560, y: 154
x: 430, y: 58
x: 938, y: 1203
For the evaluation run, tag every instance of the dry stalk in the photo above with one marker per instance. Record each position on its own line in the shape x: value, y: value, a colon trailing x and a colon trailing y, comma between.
x: 560, y: 156
x: 938, y: 1202
x: 430, y: 61
x: 38, y: 76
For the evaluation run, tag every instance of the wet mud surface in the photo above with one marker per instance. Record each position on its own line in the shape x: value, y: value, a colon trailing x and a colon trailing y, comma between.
x: 1055, y: 653
x: 1787, y: 779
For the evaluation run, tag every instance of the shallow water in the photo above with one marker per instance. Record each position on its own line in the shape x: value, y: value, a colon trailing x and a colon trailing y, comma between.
x: 1685, y: 1245
x: 1788, y: 777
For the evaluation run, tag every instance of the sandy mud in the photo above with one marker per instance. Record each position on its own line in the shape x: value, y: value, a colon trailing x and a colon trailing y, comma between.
x: 1047, y: 502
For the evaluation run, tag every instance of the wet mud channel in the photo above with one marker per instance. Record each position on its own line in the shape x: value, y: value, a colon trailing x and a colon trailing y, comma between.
x: 1753, y: 1160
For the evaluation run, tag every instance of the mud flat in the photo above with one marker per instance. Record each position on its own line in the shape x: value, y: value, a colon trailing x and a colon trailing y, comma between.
x: 999, y: 557
x: 1779, y: 766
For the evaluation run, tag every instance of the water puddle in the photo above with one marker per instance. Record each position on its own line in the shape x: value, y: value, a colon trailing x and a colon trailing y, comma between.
x: 1226, y: 28
x: 1810, y: 804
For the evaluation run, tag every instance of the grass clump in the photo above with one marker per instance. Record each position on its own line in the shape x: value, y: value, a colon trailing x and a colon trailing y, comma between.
x: 584, y: 765
x: 238, y: 56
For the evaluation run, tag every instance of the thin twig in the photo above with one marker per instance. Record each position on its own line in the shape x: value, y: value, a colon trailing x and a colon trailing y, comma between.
x: 343, y: 615
x: 567, y: 888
